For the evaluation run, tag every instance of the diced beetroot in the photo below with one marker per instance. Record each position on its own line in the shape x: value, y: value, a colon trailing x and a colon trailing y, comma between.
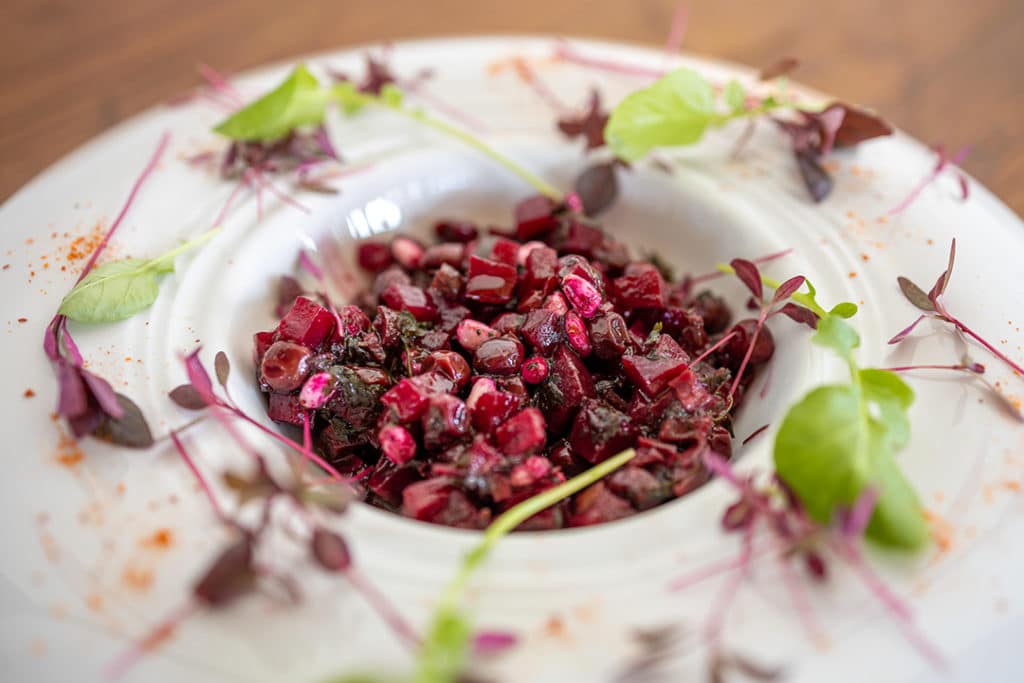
x: 736, y: 348
x: 580, y: 267
x: 410, y: 299
x: 525, y: 249
x: 391, y: 276
x: 583, y: 296
x: 307, y: 323
x: 714, y: 311
x: 535, y: 216
x: 389, y: 480
x: 285, y: 408
x: 535, y: 467
x: 397, y: 444
x: 505, y: 251
x: 448, y: 282
x: 522, y: 434
x: 434, y: 382
x: 609, y: 336
x: 340, y: 440
x: 448, y: 253
x: 438, y: 501
x: 445, y: 421
x: 600, y: 431
x: 406, y: 400
x: 597, y: 505
x: 449, y: 314
x: 353, y: 322
x: 407, y: 252
x: 646, y: 412
x: 390, y: 325
x: 639, y: 487
x: 542, y: 330
x: 262, y: 342
x: 501, y: 356
x: 513, y: 384
x: 373, y: 257
x: 490, y: 282
x: 569, y: 382
x: 562, y: 457
x: 472, y: 333
x: 285, y: 366
x: 493, y: 408
x: 455, y: 231
x: 317, y: 390
x: 654, y: 370
x: 453, y: 366
x: 556, y: 303
x: 508, y: 323
x: 541, y: 273
x: 686, y: 326
x: 581, y: 239
x: 645, y: 289
x: 481, y: 386
x: 691, y: 392
x: 576, y: 334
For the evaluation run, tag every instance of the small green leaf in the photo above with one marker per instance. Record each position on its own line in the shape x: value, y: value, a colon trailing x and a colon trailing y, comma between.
x: 298, y: 101
x: 120, y: 289
x: 391, y: 95
x: 735, y: 96
x: 675, y: 110
x: 892, y: 397
x: 846, y: 309
x: 349, y: 98
x: 837, y: 335
x: 445, y: 650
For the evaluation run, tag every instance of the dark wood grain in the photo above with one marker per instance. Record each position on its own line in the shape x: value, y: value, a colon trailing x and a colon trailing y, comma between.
x: 948, y: 71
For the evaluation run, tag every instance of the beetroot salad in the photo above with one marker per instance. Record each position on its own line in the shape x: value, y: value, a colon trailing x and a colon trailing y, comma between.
x: 476, y: 372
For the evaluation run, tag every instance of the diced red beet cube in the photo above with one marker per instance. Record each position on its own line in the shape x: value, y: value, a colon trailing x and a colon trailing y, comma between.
x: 609, y: 336
x: 500, y: 356
x: 686, y: 326
x: 736, y: 348
x: 493, y: 408
x: 542, y: 330
x: 307, y: 323
x: 373, y: 257
x: 513, y: 384
x: 535, y: 467
x: 448, y: 253
x: 600, y: 431
x: 448, y: 282
x: 438, y: 501
x: 391, y: 325
x: 645, y: 289
x: 568, y: 383
x: 410, y: 299
x: 597, y: 505
x: 692, y: 394
x: 434, y: 382
x: 262, y: 342
x: 455, y: 231
x: 407, y: 252
x: 340, y: 439
x: 397, y: 444
x: 391, y: 276
x: 407, y: 400
x: 578, y: 266
x: 581, y: 239
x: 522, y: 434
x: 445, y: 421
x: 639, y: 487
x: 535, y: 216
x: 453, y: 366
x: 505, y: 251
x: 490, y: 282
x: 389, y: 480
x: 576, y: 334
x: 285, y: 408
x: 508, y: 323
x: 531, y: 301
x: 353, y: 322
x: 654, y: 370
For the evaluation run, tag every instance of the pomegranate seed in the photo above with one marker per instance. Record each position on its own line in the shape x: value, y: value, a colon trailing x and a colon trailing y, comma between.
x: 576, y: 333
x: 535, y: 370
x: 583, y: 296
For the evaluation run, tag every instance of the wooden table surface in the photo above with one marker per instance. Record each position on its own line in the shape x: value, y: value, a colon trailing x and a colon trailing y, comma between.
x: 945, y: 70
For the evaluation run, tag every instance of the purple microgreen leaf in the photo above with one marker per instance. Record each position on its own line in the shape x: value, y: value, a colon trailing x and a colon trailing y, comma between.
x: 187, y: 397
x: 230, y: 577
x: 800, y: 314
x: 487, y: 643
x: 597, y: 187
x: 104, y: 394
x: 859, y: 125
x: 590, y: 125
x: 781, y: 67
x: 816, y: 179
x: 330, y: 550
x: 199, y: 378
x: 949, y: 268
x: 905, y: 332
x: 915, y: 295
x: 50, y: 337
x: 749, y: 275
x: 788, y: 288
x: 829, y: 121
x: 73, y: 397
x: 86, y: 423
x: 129, y: 429
x: 222, y: 367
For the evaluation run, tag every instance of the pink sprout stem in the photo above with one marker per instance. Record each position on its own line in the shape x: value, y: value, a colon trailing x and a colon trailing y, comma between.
x: 205, y: 485
x: 677, y: 32
x: 383, y: 607
x: 803, y: 607
x: 711, y: 350
x: 750, y: 351
x: 1018, y: 370
x: 530, y: 77
x: 939, y: 167
x: 712, y: 570
x: 160, y: 632
x: 220, y: 84
x: 566, y: 53
x: 730, y: 590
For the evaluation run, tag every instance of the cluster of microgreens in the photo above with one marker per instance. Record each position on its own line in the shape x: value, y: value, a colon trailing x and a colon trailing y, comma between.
x: 805, y: 508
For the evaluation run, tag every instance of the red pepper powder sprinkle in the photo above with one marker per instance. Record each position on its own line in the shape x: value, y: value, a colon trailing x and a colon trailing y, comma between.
x: 29, y: 393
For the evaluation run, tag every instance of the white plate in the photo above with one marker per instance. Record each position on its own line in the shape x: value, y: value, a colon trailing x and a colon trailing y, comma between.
x: 80, y: 581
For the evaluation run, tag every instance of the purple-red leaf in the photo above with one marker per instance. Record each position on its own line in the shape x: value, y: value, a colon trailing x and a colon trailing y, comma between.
x: 199, y: 378
x: 858, y: 125
x: 749, y: 275
x: 129, y: 429
x: 187, y: 397
x: 590, y: 125
x: 222, y: 366
x: 800, y: 314
x: 816, y: 179
x: 73, y: 397
x: 104, y: 394
x: 330, y: 550
x: 905, y: 332
x: 597, y: 187
x: 915, y: 294
x: 487, y: 643
x: 788, y: 288
x: 231, y: 576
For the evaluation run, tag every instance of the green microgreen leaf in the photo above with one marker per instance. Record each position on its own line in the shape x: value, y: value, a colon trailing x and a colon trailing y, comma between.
x: 445, y: 650
x: 120, y: 289
x: 837, y: 335
x: 735, y: 96
x: 298, y: 101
